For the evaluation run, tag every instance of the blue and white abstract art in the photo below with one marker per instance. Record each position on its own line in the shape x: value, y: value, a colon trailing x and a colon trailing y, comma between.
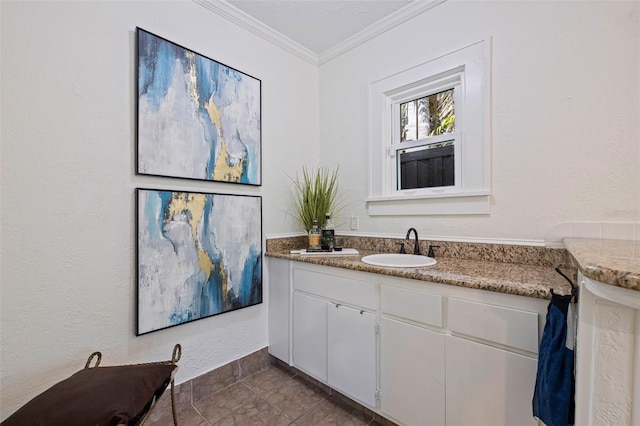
x: 197, y: 118
x: 199, y: 255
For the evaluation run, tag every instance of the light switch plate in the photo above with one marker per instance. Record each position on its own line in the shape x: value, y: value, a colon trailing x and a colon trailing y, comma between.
x: 355, y: 223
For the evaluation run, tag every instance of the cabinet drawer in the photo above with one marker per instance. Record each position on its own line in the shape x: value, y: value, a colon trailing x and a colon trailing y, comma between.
x: 506, y: 326
x: 335, y: 287
x: 412, y: 305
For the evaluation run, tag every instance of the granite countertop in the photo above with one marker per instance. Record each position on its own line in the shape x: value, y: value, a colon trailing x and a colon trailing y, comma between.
x: 523, y: 271
x: 529, y: 280
x: 613, y: 262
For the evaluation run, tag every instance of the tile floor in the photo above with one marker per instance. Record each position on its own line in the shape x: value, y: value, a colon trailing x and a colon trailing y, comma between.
x: 275, y: 396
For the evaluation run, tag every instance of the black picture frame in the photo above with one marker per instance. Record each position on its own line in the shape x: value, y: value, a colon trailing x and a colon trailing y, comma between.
x: 199, y: 254
x: 196, y: 118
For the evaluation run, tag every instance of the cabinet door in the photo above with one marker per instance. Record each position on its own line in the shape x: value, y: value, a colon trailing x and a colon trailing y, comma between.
x: 488, y: 386
x: 352, y: 352
x: 310, y: 335
x: 412, y: 368
x: 279, y: 309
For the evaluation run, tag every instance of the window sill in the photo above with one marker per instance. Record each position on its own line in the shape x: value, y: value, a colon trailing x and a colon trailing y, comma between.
x: 441, y: 204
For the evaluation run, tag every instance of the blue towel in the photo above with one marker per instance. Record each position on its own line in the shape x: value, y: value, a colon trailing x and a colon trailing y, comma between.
x: 553, y: 397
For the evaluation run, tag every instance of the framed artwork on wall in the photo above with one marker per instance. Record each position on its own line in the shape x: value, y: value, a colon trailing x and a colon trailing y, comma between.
x: 196, y: 118
x: 198, y: 255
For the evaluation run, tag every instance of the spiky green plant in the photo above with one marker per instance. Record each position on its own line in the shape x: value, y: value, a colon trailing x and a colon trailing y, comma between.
x: 314, y: 195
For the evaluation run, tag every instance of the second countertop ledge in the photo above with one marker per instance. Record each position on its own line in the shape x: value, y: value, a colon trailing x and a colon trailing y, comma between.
x: 614, y: 262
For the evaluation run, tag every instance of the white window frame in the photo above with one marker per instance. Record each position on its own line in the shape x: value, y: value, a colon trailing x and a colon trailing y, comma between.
x: 426, y: 87
x: 467, y: 70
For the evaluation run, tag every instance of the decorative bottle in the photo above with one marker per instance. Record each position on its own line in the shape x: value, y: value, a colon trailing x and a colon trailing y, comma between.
x: 315, y: 237
x: 328, y: 233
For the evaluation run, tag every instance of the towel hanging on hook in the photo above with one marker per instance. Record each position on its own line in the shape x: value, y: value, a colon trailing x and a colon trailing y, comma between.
x: 553, y: 397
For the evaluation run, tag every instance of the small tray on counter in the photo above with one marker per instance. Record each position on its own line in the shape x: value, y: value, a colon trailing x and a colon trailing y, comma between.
x: 343, y: 252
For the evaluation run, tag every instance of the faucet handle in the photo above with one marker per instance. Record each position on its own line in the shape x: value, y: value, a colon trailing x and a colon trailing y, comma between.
x: 401, y: 244
x: 431, y: 253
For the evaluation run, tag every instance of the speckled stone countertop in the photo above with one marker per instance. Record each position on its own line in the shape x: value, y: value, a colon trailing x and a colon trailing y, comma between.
x: 520, y: 270
x: 614, y: 262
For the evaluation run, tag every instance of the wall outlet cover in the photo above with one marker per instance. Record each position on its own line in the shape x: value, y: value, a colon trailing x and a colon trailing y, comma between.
x: 355, y: 223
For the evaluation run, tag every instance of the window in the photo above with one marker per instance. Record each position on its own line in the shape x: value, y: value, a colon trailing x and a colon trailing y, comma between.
x: 425, y: 160
x: 428, y: 116
x: 429, y: 144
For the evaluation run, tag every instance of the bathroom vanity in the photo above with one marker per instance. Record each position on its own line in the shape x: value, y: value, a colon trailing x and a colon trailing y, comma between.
x: 455, y: 343
x: 416, y: 351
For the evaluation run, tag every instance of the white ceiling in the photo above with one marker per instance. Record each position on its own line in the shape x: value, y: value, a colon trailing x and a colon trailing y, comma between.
x: 319, y: 25
x: 318, y: 30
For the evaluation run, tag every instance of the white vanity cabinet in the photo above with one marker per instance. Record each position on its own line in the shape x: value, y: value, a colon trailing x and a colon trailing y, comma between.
x: 279, y: 299
x: 310, y: 335
x: 416, y: 352
x: 487, y: 385
x: 492, y: 360
x: 457, y: 356
x: 412, y: 357
x: 334, y: 326
x: 351, y: 357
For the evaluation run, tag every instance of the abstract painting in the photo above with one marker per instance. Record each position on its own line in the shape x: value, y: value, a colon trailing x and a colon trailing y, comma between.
x: 199, y: 254
x: 196, y: 118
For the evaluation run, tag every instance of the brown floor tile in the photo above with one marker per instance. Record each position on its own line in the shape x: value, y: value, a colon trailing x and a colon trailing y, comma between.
x: 223, y: 403
x: 378, y: 420
x: 254, y: 411
x: 253, y: 363
x: 267, y: 380
x: 295, y: 397
x: 182, y: 392
x: 332, y: 411
x: 358, y: 410
x: 182, y: 396
x: 275, y: 395
x: 209, y: 383
x: 187, y: 416
x: 308, y: 378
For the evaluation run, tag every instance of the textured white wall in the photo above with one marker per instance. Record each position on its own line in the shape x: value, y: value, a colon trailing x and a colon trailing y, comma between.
x: 566, y: 147
x: 565, y: 113
x: 67, y: 184
x: 607, y: 355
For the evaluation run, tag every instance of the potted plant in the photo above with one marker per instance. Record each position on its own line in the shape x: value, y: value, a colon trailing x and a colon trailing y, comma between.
x: 314, y: 194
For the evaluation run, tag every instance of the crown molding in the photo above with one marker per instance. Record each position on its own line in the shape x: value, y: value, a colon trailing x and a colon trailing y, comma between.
x: 385, y: 24
x: 251, y: 24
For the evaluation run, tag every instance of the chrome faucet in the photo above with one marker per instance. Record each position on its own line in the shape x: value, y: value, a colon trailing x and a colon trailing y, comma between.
x: 416, y: 246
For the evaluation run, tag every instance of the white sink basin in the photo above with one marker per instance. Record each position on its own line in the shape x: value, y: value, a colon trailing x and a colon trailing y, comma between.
x: 398, y: 260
